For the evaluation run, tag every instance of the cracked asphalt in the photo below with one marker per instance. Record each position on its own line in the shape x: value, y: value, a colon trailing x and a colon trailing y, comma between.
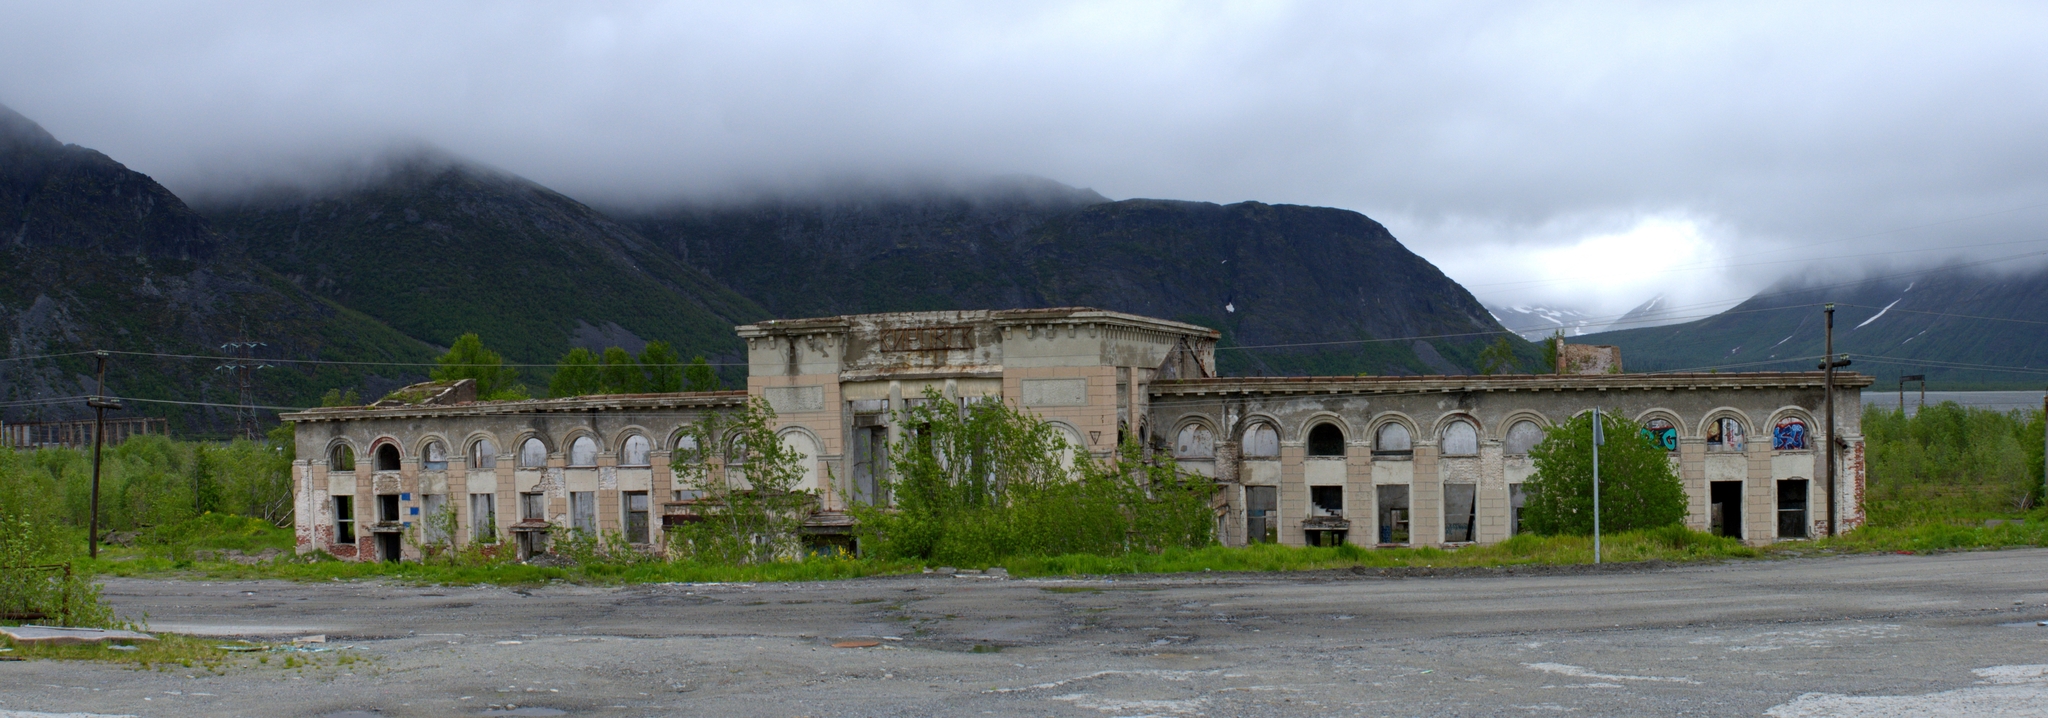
x: 1864, y: 635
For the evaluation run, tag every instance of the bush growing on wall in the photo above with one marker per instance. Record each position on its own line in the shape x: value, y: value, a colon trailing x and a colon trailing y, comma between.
x: 1638, y: 488
x: 746, y: 480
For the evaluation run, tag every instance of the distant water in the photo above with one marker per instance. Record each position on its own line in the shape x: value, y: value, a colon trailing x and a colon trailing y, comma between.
x: 1994, y: 400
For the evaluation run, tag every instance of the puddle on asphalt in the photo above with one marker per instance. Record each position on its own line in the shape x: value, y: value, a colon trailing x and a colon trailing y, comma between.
x: 2024, y: 624
x: 526, y: 711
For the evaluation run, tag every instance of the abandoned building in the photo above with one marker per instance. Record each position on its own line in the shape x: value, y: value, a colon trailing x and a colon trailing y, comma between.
x: 1371, y: 460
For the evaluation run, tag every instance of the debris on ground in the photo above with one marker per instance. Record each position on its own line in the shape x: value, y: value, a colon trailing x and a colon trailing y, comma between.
x: 61, y: 636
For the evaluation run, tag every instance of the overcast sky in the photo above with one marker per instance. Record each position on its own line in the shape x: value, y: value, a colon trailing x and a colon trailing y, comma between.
x: 1587, y: 155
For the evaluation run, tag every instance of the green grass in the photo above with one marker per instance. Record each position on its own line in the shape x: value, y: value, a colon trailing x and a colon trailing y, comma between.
x: 191, y: 654
x: 1666, y: 544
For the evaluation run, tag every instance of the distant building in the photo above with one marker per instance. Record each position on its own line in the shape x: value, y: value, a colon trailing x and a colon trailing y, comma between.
x: 1428, y: 461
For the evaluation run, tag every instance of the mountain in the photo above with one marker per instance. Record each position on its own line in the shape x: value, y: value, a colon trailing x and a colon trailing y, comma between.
x: 435, y: 247
x: 1957, y: 325
x: 1315, y: 281
x: 1658, y: 311
x: 94, y: 255
x: 1535, y: 323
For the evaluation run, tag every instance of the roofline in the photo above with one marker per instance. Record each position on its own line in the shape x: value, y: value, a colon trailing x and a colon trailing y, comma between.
x: 1506, y: 382
x: 626, y: 402
x: 999, y: 317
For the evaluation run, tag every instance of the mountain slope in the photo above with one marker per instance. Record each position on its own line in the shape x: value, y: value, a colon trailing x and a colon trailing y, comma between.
x: 97, y: 256
x: 1535, y: 323
x: 1949, y: 324
x: 1262, y: 274
x: 435, y: 248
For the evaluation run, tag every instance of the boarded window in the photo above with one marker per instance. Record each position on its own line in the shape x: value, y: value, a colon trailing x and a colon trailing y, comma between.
x: 1460, y: 439
x: 635, y: 451
x: 1261, y: 514
x: 1460, y: 511
x: 533, y: 454
x: 483, y: 517
x: 583, y: 452
x: 1393, y: 440
x: 1516, y: 498
x: 341, y: 458
x: 1789, y: 434
x: 870, y: 459
x: 483, y: 454
x: 437, y: 456
x: 433, y: 522
x: 1522, y: 437
x: 1326, y: 440
x: 1195, y: 441
x: 583, y: 511
x: 1262, y: 441
x: 387, y: 458
x: 1724, y: 434
x: 636, y: 516
x: 533, y: 506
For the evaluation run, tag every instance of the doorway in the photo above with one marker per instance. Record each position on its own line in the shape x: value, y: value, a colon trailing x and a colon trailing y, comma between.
x: 1792, y: 508
x: 1262, y: 514
x: 1724, y: 510
x: 388, y: 546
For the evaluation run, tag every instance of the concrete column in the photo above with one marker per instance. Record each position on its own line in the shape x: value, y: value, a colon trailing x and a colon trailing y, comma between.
x: 1692, y: 473
x: 1760, y: 495
x: 1426, y: 499
x: 1293, y: 495
x: 1360, y: 498
x: 458, y: 497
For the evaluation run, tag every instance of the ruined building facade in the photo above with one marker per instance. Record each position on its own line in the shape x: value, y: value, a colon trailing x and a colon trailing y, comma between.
x: 1365, y: 460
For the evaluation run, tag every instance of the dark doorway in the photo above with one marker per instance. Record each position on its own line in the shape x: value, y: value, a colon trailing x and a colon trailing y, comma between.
x: 1724, y: 509
x: 1792, y: 508
x: 1393, y: 506
x: 388, y: 546
x: 1262, y: 514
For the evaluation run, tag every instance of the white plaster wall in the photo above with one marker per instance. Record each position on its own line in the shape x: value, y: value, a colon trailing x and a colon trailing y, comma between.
x: 1394, y: 472
x: 1727, y: 467
x: 636, y: 479
x: 1261, y: 472
x: 1792, y: 465
x: 1323, y: 471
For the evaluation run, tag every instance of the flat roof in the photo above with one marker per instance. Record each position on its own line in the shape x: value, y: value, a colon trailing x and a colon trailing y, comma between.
x: 1001, y: 317
x: 612, y: 402
x: 1506, y: 382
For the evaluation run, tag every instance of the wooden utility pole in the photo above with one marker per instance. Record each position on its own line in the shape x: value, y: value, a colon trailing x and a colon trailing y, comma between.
x: 1828, y: 363
x: 100, y: 404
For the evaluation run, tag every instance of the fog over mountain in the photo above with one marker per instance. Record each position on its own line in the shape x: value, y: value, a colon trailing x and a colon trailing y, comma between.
x: 1584, y: 155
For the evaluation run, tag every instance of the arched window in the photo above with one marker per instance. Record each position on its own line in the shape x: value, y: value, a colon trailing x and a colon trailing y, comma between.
x: 1261, y: 441
x: 341, y: 458
x: 685, y: 442
x: 387, y: 458
x: 583, y: 452
x: 1393, y: 440
x: 634, y: 453
x: 1661, y: 433
x: 533, y: 454
x: 1195, y: 442
x: 1460, y: 439
x: 1724, y: 434
x: 1326, y: 440
x: 437, y: 456
x: 483, y: 454
x: 1522, y: 437
x: 1789, y: 434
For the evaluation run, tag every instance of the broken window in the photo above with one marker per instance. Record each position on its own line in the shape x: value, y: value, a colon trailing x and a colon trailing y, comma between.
x: 387, y: 458
x: 583, y: 452
x: 870, y: 463
x: 736, y: 462
x: 1262, y: 514
x: 1195, y: 442
x: 1261, y: 441
x: 635, y: 452
x: 1724, y: 434
x: 483, y: 517
x: 1393, y: 440
x: 1460, y: 512
x: 636, y: 516
x: 387, y: 508
x: 1516, y: 498
x: 1522, y: 437
x: 533, y: 506
x: 341, y: 458
x: 1326, y: 501
x: 533, y: 454
x: 1792, y: 508
x: 436, y: 456
x: 1460, y: 439
x: 583, y: 511
x: 483, y: 454
x: 1789, y: 434
x: 1393, y: 513
x: 1326, y: 440
x: 344, y: 519
x: 431, y: 527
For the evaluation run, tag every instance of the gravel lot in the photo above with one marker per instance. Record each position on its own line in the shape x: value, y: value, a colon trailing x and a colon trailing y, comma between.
x: 1867, y: 635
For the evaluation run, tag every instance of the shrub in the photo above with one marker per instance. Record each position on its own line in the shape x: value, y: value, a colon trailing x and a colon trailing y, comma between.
x: 1638, y: 488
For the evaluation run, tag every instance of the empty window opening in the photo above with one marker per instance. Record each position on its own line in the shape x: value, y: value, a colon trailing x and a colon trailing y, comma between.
x: 1789, y: 434
x: 1461, y: 512
x: 1195, y: 441
x: 583, y: 452
x: 1326, y: 440
x: 390, y: 547
x: 1262, y: 441
x: 341, y: 458
x: 1460, y: 439
x: 1792, y: 508
x: 533, y: 454
x: 435, y: 513
x: 1326, y: 501
x: 1516, y: 498
x: 483, y: 517
x: 870, y: 461
x: 635, y: 452
x: 344, y: 519
x: 1724, y: 434
x: 483, y: 454
x: 1262, y: 514
x: 1662, y: 433
x: 1724, y: 508
x: 583, y: 511
x: 636, y: 516
x: 387, y: 508
x: 436, y: 456
x: 1522, y: 437
x: 533, y: 506
x: 1393, y: 514
x: 387, y: 458
x: 1393, y: 440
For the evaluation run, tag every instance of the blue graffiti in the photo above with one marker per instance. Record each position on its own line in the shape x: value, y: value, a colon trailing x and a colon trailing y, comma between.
x: 1789, y: 435
x: 1664, y: 437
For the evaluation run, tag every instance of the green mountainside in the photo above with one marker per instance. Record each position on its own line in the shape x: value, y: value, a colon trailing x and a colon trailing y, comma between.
x: 97, y: 256
x: 1955, y: 325
x: 1262, y: 274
